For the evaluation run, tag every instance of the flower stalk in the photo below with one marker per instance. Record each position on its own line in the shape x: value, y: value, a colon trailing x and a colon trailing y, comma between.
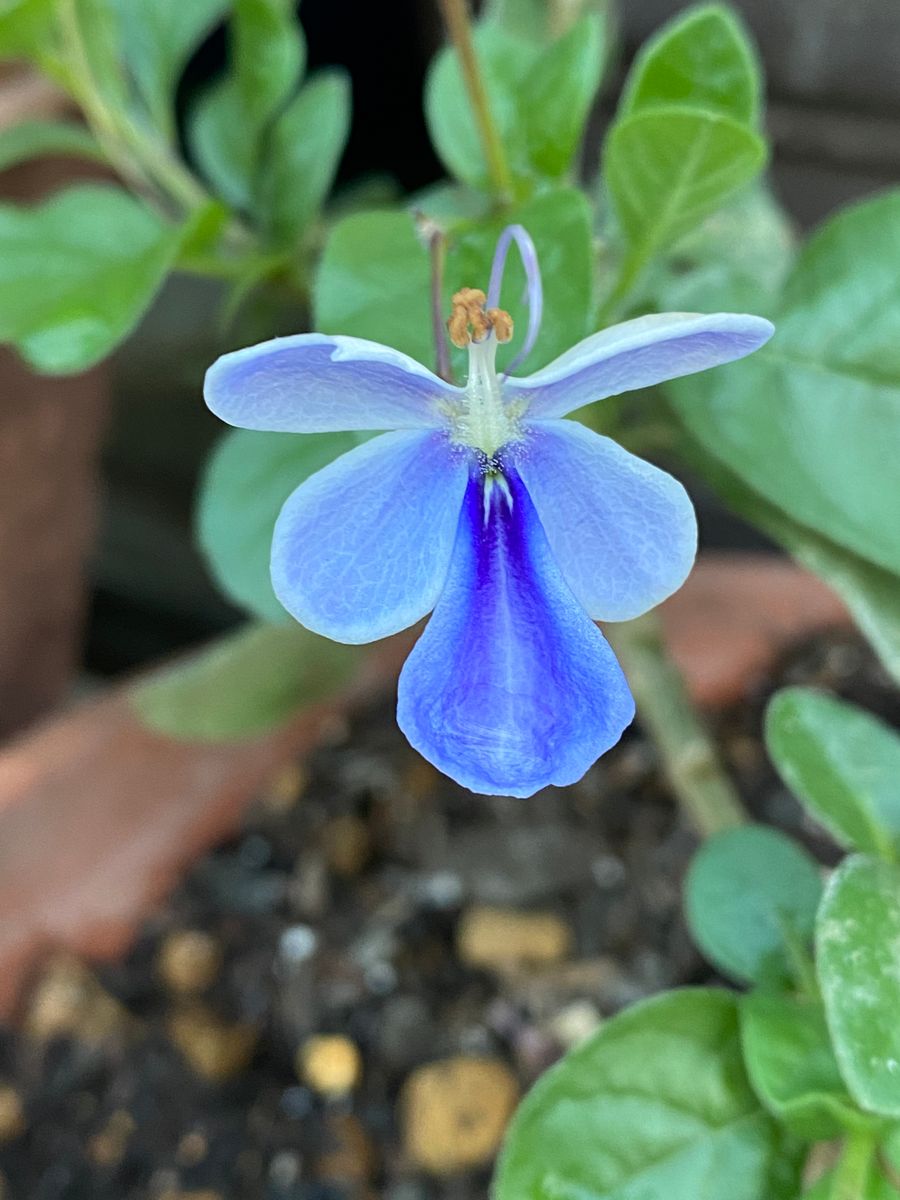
x: 690, y: 758
x: 459, y: 29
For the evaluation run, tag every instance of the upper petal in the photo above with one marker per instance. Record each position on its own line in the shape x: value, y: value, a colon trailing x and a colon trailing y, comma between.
x: 361, y: 548
x: 638, y: 354
x: 312, y: 383
x: 623, y: 533
x: 511, y: 687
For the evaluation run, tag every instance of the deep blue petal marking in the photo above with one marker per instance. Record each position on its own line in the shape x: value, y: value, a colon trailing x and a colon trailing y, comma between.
x: 623, y: 532
x: 511, y: 687
x: 361, y: 549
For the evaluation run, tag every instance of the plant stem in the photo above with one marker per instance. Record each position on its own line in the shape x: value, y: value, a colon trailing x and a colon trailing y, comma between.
x: 851, y: 1176
x: 690, y: 758
x: 459, y: 27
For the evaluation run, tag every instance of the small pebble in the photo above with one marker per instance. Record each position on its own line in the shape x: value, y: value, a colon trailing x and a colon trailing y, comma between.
x: 107, y: 1148
x: 215, y: 1049
x: 284, y: 790
x: 347, y: 845
x: 330, y: 1064
x: 502, y: 939
x: 348, y: 1157
x: 192, y: 1149
x: 453, y: 1113
x: 189, y: 961
x: 574, y: 1023
x: 69, y: 1001
x: 12, y: 1114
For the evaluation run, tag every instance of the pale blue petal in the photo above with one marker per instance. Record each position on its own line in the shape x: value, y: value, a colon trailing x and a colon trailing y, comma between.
x: 637, y: 354
x: 623, y: 533
x: 511, y: 687
x: 311, y: 383
x: 361, y: 548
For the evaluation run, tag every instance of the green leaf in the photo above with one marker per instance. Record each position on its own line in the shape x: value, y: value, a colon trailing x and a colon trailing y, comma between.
x: 374, y: 277
x: 34, y: 139
x: 245, y: 684
x: 877, y: 1188
x: 226, y: 129
x: 77, y: 272
x: 869, y: 592
x: 703, y: 58
x: 557, y: 100
x: 843, y: 763
x: 791, y: 1065
x: 654, y: 1106
x: 538, y: 21
x: 159, y: 37
x: 26, y: 26
x: 98, y: 29
x: 668, y: 168
x: 373, y: 282
x: 247, y: 480
x: 505, y: 62
x: 858, y: 959
x: 302, y: 155
x: 750, y: 896
x: 812, y: 421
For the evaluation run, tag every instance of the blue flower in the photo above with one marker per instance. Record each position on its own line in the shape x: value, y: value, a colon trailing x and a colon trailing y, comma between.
x: 518, y: 528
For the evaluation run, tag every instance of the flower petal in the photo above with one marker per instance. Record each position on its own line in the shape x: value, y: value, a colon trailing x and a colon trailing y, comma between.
x: 638, y: 354
x: 623, y: 533
x: 511, y: 687
x: 311, y: 383
x: 361, y: 549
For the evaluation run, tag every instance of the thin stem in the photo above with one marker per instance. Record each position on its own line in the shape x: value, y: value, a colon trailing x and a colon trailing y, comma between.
x: 459, y: 27
x: 690, y: 758
x: 851, y: 1176
x: 437, y: 250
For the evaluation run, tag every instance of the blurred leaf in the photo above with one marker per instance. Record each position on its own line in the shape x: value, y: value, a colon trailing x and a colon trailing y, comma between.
x: 245, y: 684
x: 373, y: 282
x: 843, y: 763
x: 868, y: 591
x: 858, y: 959
x: 668, y: 168
x: 100, y: 34
x: 791, y: 1065
x: 749, y: 894
x: 159, y: 37
x: 34, y: 139
x: 25, y: 26
x: 812, y: 421
x: 703, y: 58
x: 374, y: 277
x: 77, y: 272
x: 655, y: 1105
x: 302, y: 155
x: 247, y: 480
x: 877, y: 1188
x: 557, y: 100
x: 538, y: 21
x: 505, y: 62
x: 268, y: 54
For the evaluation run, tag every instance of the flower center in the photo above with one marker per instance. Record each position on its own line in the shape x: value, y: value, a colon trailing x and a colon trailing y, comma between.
x: 483, y: 421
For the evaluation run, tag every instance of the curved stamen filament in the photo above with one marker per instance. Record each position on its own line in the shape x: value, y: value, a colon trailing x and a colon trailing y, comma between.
x: 534, y: 292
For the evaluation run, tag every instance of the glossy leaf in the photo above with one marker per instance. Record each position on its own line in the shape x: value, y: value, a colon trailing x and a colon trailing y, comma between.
x: 668, y: 168
x: 702, y: 58
x: 35, y: 139
x: 655, y: 1105
x: 25, y: 27
x: 812, y: 421
x: 247, y: 481
x: 159, y: 37
x: 843, y: 763
x: 302, y: 155
x: 858, y: 960
x: 750, y: 893
x: 77, y: 272
x: 245, y: 684
x: 792, y: 1067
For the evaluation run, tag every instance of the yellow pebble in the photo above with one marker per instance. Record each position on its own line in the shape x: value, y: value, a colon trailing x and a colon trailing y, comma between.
x: 12, y: 1114
x: 503, y: 939
x: 454, y: 1113
x: 189, y: 961
x: 330, y: 1064
x: 214, y: 1048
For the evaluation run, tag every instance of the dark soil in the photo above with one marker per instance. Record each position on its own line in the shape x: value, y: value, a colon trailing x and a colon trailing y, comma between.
x: 337, y: 911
